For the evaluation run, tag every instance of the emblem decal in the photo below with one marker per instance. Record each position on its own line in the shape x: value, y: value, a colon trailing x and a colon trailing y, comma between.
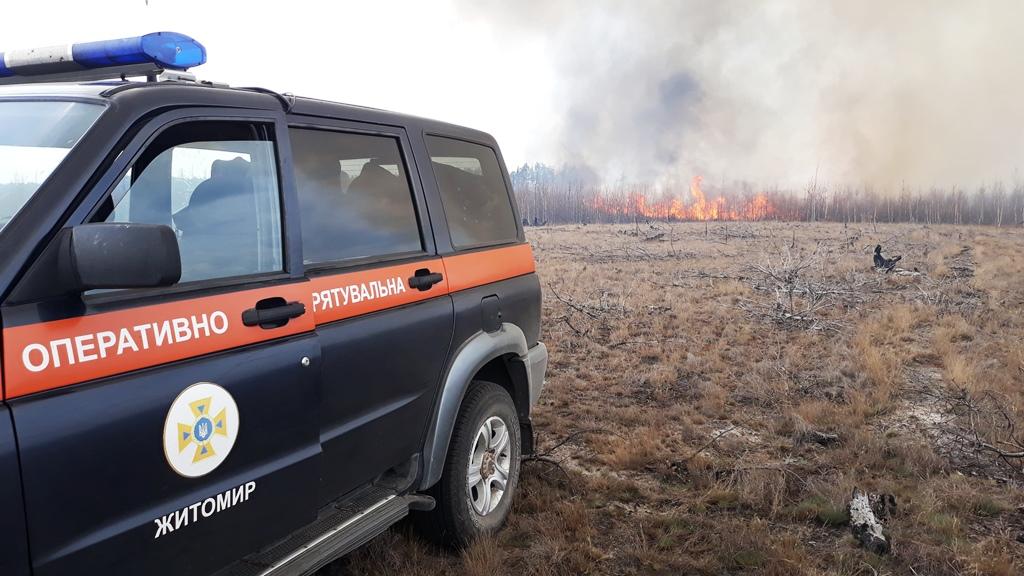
x: 200, y: 429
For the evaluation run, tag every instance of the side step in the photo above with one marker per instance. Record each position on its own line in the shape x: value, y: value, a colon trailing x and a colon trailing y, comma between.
x: 334, y: 534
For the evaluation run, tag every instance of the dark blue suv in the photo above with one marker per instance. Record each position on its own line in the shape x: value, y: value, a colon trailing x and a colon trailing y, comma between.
x: 245, y: 332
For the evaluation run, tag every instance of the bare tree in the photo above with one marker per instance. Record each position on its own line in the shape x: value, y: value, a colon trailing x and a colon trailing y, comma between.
x: 574, y: 195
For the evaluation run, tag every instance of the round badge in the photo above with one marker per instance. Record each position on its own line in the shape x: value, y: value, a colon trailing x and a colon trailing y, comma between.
x: 200, y: 429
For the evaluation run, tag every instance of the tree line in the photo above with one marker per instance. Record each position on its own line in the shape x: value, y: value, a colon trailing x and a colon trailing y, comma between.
x: 577, y: 195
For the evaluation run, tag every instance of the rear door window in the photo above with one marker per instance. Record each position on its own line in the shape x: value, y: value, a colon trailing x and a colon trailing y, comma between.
x: 476, y: 201
x: 354, y: 197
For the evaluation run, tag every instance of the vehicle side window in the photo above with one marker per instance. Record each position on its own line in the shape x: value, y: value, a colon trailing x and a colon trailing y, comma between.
x: 216, y: 184
x: 354, y: 196
x: 476, y: 201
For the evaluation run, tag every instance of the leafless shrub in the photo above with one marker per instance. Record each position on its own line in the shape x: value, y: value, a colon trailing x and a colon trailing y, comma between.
x: 797, y: 297
x: 580, y: 315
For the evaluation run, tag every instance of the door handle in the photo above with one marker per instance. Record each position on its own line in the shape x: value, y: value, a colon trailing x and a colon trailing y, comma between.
x: 423, y: 279
x: 272, y: 313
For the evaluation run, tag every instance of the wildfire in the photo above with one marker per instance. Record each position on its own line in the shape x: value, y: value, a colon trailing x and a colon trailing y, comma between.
x: 700, y: 207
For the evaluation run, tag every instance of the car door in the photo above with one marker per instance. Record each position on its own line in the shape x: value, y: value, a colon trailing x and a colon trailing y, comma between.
x: 380, y: 298
x: 14, y: 560
x: 172, y: 431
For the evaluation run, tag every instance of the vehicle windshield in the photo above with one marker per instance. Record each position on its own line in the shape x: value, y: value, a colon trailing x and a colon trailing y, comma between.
x: 34, y: 138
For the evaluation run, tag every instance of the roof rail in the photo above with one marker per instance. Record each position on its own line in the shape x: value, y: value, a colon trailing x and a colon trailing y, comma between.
x: 114, y: 73
x: 286, y: 99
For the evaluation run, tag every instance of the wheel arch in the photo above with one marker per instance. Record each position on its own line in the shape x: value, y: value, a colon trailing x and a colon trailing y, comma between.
x: 491, y: 356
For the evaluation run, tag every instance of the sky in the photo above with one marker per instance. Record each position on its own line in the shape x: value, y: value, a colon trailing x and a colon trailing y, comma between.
x: 418, y: 57
x: 914, y: 93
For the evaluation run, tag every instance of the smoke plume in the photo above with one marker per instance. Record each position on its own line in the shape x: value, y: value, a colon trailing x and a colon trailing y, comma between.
x: 918, y: 92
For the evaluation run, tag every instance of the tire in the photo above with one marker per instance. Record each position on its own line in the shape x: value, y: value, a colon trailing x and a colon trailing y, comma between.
x: 456, y: 519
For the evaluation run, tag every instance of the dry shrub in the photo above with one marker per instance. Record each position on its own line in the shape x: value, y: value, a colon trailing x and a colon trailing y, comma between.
x: 907, y: 456
x: 753, y: 546
x: 962, y: 497
x: 762, y: 489
x: 639, y: 449
x: 883, y: 346
x: 961, y: 370
x: 999, y: 267
x: 950, y: 330
x: 993, y: 556
x: 713, y: 401
x: 396, y: 551
x: 881, y: 366
x: 827, y: 416
x: 938, y: 260
x: 605, y: 488
x: 483, y: 558
x: 701, y: 472
x: 821, y: 510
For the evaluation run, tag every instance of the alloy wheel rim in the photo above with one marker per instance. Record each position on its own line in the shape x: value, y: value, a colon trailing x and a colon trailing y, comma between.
x: 489, y: 462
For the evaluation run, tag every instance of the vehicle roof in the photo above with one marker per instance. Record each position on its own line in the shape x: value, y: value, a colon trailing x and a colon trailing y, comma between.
x: 113, y: 90
x: 62, y: 89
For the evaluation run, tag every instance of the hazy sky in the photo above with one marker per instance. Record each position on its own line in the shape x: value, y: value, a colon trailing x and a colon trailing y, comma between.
x: 418, y: 57
x: 923, y: 92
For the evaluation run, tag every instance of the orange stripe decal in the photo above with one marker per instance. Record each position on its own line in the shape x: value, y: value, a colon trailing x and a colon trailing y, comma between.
x: 352, y: 294
x: 50, y: 355
x: 474, y: 269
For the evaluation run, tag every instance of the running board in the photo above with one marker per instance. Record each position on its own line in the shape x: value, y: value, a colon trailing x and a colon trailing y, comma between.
x: 328, y: 538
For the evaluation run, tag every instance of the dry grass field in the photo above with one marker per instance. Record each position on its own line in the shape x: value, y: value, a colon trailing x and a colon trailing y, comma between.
x: 715, y: 394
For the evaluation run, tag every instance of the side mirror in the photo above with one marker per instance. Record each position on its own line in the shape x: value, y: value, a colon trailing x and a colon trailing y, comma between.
x: 91, y: 256
x: 121, y: 256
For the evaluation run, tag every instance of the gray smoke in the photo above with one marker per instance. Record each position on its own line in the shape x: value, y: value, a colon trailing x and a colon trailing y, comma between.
x: 878, y: 93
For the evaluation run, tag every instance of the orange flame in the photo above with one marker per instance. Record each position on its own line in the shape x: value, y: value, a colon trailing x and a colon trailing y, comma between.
x: 673, y: 208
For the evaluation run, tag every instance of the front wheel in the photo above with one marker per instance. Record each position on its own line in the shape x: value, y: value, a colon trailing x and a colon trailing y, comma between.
x: 481, y: 470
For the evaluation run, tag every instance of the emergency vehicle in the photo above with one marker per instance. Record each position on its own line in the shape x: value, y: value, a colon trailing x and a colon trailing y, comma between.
x: 245, y: 332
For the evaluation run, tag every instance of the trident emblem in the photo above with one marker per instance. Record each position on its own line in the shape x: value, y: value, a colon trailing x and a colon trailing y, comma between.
x: 201, y: 430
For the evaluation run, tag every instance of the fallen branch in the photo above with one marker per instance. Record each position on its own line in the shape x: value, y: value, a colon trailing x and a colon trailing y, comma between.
x: 575, y: 330
x: 781, y: 469
x: 865, y: 510
x: 709, y: 443
x: 568, y: 440
x: 821, y: 438
x: 569, y: 302
x: 983, y: 424
x: 632, y: 342
x: 905, y: 272
x: 545, y: 457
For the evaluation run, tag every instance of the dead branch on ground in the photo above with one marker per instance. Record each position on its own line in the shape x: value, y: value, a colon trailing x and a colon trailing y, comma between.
x: 708, y: 444
x: 582, y: 315
x: 983, y: 424
x: 866, y: 511
x: 546, y: 457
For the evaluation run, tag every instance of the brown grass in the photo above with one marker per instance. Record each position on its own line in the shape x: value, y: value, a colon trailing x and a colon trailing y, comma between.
x: 705, y: 468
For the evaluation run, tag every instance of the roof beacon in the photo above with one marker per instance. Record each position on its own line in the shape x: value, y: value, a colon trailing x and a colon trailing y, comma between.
x: 148, y: 55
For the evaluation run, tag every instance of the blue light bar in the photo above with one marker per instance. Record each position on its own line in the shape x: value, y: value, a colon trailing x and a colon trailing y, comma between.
x: 166, y: 49
x: 134, y: 56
